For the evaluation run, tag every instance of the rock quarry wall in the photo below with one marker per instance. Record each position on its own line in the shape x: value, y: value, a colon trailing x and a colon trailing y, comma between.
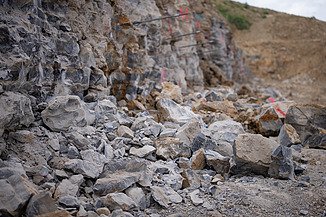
x: 126, y: 48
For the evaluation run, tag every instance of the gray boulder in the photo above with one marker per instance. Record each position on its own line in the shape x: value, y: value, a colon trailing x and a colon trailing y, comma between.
x: 64, y: 112
x: 307, y: 120
x: 282, y: 165
x: 188, y: 131
x: 138, y: 196
x: 15, y: 193
x: 40, y: 204
x: 15, y: 111
x: 222, y: 135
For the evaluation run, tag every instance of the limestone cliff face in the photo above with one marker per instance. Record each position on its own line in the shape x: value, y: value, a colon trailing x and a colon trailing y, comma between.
x: 124, y: 47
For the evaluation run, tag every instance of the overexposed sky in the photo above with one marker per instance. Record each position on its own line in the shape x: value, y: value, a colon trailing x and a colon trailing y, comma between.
x: 307, y: 8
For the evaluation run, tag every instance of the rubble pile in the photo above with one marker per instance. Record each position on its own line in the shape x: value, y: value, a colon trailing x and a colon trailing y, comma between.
x: 83, y: 133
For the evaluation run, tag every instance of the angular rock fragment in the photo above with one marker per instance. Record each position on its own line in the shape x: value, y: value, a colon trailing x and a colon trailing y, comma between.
x: 171, y: 148
x: 188, y: 131
x: 165, y: 196
x: 269, y: 124
x: 288, y: 136
x: 307, y: 120
x: 225, y: 107
x: 118, y: 200
x: 15, y: 111
x: 171, y: 111
x: 64, y: 112
x: 195, y: 199
x: 69, y: 186
x: 222, y: 135
x: 138, y: 196
x: 198, y: 161
x: 115, y: 183
x: 124, y: 131
x: 119, y: 175
x: 15, y: 193
x: 282, y: 165
x: 171, y: 91
x: 40, y: 204
x: 69, y: 202
x: 253, y: 153
x: 220, y: 163
x: 143, y: 151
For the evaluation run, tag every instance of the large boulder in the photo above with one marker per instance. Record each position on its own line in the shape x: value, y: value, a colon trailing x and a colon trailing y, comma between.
x: 253, y: 153
x: 222, y: 135
x: 64, y: 112
x: 308, y: 120
x: 15, y: 111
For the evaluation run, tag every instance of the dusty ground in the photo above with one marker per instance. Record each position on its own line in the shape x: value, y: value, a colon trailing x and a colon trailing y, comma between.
x: 258, y: 196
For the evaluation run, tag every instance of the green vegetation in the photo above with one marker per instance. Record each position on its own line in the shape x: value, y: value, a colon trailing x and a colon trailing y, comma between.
x: 239, y: 21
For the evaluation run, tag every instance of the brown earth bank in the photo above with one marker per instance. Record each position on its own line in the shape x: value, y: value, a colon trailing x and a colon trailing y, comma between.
x: 286, y: 52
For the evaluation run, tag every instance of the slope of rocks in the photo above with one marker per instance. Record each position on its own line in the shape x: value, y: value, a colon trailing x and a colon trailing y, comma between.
x: 101, y: 115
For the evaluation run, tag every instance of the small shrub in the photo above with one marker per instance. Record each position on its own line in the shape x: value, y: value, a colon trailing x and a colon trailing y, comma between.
x: 239, y: 21
x: 246, y: 6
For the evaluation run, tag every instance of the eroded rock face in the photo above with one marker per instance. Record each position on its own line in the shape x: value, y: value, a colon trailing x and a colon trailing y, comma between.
x: 15, y: 111
x: 108, y: 47
x: 64, y: 112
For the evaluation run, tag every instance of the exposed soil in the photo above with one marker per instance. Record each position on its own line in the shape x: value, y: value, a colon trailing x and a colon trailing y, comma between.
x: 288, y: 53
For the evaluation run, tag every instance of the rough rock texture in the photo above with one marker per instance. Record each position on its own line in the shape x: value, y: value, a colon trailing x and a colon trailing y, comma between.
x: 254, y: 151
x: 15, y: 194
x: 79, y: 47
x: 171, y: 111
x: 64, y: 112
x: 269, y: 123
x: 282, y: 164
x: 15, y: 111
x: 308, y: 120
x: 288, y: 136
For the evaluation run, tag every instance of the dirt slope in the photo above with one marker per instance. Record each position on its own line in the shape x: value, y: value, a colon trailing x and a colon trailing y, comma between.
x: 287, y: 52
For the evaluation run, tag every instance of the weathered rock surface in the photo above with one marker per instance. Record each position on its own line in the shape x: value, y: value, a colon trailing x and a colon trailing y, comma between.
x: 171, y: 148
x: 253, y: 153
x: 143, y: 151
x: 307, y: 120
x: 40, y: 204
x: 15, y: 193
x: 189, y: 131
x: 15, y: 111
x: 138, y: 196
x: 118, y: 200
x: 64, y: 112
x: 282, y: 164
x: 220, y: 163
x: 288, y: 136
x: 269, y: 124
x: 171, y: 111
